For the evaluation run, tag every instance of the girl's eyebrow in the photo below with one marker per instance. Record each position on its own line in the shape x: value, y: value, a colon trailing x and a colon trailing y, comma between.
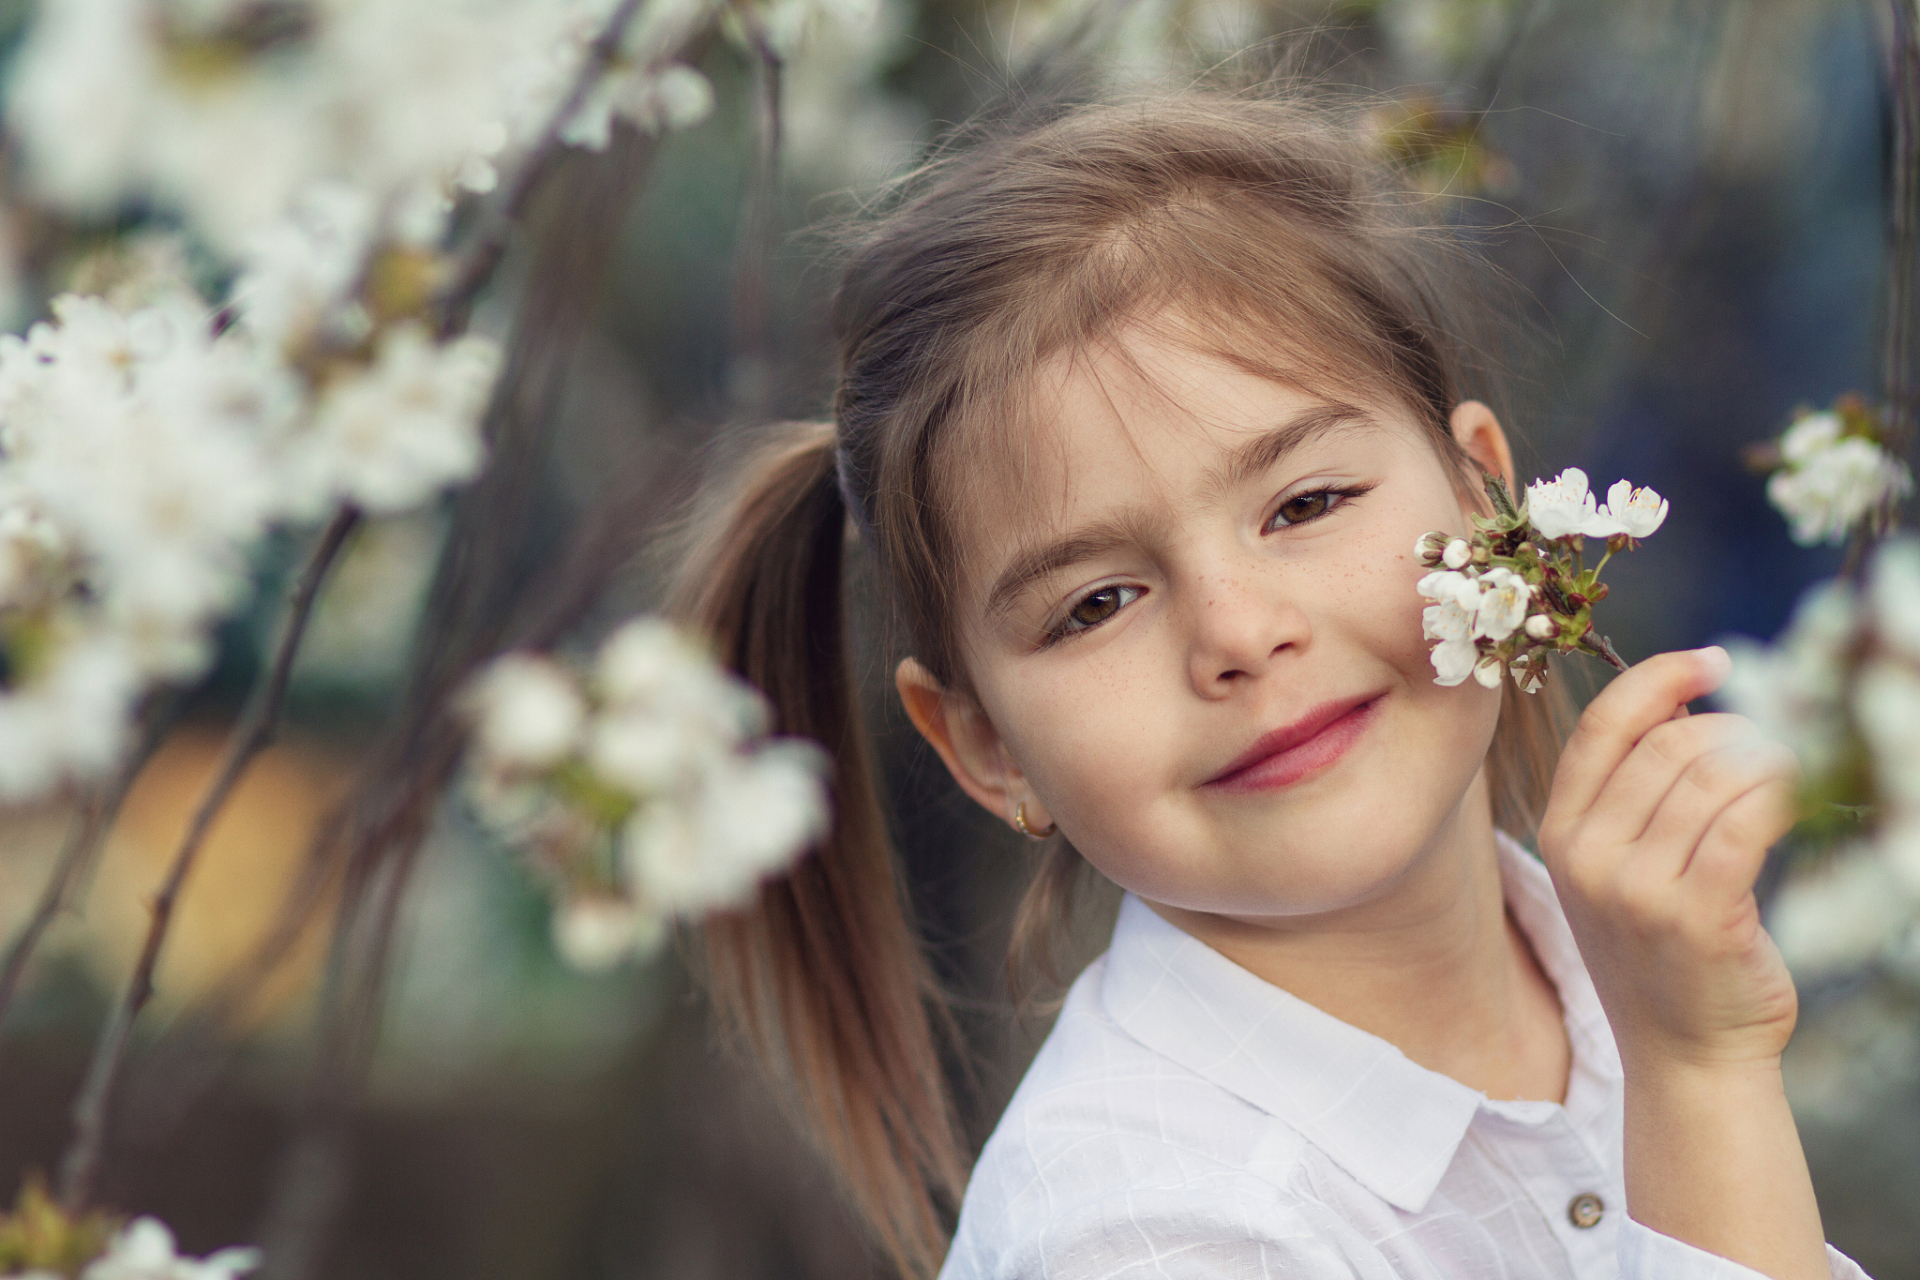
x: 1250, y: 459
x: 1083, y: 544
x: 1268, y: 448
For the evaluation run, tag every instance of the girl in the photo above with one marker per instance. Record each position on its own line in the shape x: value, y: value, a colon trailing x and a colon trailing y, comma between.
x: 1142, y: 412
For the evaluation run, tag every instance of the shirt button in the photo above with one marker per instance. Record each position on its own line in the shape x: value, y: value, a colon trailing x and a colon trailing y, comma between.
x: 1584, y: 1210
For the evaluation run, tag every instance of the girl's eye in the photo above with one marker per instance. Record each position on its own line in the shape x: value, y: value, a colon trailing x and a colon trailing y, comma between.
x: 1304, y: 507
x: 1096, y: 607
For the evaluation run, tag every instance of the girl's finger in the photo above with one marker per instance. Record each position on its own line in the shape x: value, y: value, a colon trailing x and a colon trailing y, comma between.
x: 1727, y: 858
x: 1700, y: 796
x: 1646, y: 695
x: 1627, y: 801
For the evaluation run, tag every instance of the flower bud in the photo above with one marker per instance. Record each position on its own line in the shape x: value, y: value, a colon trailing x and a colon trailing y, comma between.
x: 1487, y: 672
x: 1481, y: 555
x: 1599, y: 592
x: 1542, y: 627
x: 1430, y: 547
x: 1457, y: 554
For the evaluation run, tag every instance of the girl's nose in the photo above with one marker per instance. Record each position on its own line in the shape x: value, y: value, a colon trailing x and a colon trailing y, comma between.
x: 1240, y: 632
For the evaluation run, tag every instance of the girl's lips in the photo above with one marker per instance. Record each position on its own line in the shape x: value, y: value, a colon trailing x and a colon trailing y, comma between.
x: 1309, y: 744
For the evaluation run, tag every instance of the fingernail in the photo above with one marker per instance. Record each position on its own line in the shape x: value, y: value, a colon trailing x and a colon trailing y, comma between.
x: 1715, y: 660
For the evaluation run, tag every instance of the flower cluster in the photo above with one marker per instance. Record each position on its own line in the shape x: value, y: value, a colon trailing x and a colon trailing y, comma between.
x: 643, y: 789
x: 148, y: 437
x: 1831, y: 471
x: 233, y: 112
x: 1841, y: 686
x: 41, y: 1241
x: 1518, y: 587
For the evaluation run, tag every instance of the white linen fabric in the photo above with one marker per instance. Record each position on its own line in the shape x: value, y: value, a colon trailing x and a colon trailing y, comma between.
x: 1188, y: 1121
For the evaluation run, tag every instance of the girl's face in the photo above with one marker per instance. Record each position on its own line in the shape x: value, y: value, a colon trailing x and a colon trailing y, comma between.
x: 1193, y: 634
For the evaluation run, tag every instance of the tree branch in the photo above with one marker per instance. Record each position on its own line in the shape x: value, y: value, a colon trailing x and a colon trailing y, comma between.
x: 477, y: 263
x: 255, y: 730
x: 76, y: 857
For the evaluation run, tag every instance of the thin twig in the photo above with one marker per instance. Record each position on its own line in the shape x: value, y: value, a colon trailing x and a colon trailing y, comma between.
x: 1896, y: 360
x: 97, y: 814
x: 759, y: 228
x: 483, y: 253
x: 255, y: 730
x: 1601, y: 647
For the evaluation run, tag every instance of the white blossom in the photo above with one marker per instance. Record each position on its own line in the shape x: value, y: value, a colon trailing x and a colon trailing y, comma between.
x: 667, y: 761
x: 1831, y: 481
x: 1886, y: 705
x: 526, y: 711
x: 1793, y: 689
x: 70, y: 717
x: 115, y: 99
x: 1458, y: 554
x: 1809, y: 436
x: 144, y: 1250
x: 1541, y: 627
x: 746, y: 820
x: 675, y: 96
x: 1504, y: 598
x: 595, y: 933
x: 1563, y: 508
x: 138, y: 437
x: 1638, y: 511
x: 1894, y: 589
x: 300, y: 271
x: 1453, y: 661
x: 1487, y: 672
x: 394, y: 435
x: 1839, y: 915
x: 651, y: 662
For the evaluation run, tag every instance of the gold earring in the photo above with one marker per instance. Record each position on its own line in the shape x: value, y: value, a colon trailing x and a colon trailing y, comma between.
x: 1020, y: 821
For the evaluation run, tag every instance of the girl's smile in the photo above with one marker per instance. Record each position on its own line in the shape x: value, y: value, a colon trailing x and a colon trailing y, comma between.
x: 1292, y: 752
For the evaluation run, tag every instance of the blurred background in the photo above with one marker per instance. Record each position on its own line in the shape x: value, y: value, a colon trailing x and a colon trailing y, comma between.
x: 1685, y: 201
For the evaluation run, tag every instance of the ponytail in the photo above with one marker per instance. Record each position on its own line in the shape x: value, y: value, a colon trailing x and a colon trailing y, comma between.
x: 823, y: 978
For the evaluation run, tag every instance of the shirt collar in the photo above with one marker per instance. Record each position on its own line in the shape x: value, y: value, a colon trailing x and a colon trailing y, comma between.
x: 1391, y: 1123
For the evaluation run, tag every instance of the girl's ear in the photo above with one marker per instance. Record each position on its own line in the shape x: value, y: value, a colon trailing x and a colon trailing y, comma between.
x: 1476, y: 430
x: 969, y: 744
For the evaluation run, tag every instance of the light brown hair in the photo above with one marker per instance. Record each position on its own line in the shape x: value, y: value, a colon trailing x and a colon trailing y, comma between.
x: 1266, y: 218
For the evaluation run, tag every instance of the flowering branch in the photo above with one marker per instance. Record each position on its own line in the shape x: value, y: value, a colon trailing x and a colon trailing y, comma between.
x: 249, y: 738
x: 483, y: 253
x: 1519, y: 586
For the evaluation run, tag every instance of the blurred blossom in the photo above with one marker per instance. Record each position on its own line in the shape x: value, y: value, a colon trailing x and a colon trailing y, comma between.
x: 1794, y: 689
x: 391, y: 437
x: 301, y: 270
x: 1831, y: 472
x: 39, y: 1238
x: 527, y: 712
x: 231, y: 112
x: 1838, y: 916
x: 132, y: 481
x: 144, y: 1250
x: 1841, y: 686
x: 642, y: 791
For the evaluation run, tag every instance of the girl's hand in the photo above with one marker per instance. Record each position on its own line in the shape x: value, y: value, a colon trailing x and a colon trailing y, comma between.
x: 1656, y: 829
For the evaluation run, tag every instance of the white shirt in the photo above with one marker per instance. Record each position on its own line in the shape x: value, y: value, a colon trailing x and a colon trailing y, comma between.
x: 1189, y: 1121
